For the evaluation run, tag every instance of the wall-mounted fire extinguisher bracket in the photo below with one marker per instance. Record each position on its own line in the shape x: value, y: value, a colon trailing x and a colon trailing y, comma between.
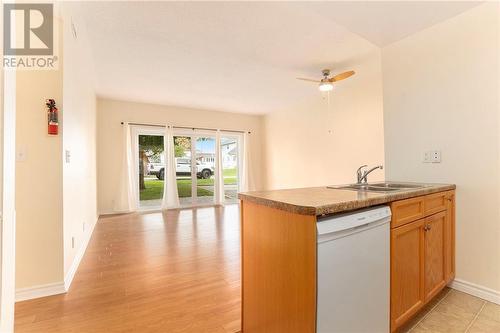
x: 52, y: 117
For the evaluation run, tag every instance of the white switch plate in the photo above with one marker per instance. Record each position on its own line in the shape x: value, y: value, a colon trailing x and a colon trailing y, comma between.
x: 427, y: 157
x: 67, y: 155
x: 21, y: 154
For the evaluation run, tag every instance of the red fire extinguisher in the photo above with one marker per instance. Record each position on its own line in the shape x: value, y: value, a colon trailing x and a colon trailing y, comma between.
x: 52, y: 117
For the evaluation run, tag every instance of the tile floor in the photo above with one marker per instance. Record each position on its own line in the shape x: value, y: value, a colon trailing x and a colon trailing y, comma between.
x: 456, y: 312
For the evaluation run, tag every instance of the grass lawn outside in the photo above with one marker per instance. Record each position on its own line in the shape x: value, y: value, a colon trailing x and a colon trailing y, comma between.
x: 230, y: 178
x: 154, y: 186
x: 154, y: 189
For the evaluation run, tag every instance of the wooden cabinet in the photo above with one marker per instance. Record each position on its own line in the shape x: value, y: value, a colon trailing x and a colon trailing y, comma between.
x: 422, y: 253
x: 407, y: 271
x: 435, y: 203
x: 408, y: 210
x: 434, y: 254
x: 450, y: 237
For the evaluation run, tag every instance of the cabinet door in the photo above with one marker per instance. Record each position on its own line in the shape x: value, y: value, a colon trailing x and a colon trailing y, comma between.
x: 435, y: 250
x: 407, y: 271
x: 450, y: 237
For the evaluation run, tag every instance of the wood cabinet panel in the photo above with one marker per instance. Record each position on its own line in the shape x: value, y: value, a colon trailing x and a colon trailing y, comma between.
x: 450, y: 237
x: 434, y: 259
x: 435, y: 203
x: 278, y: 270
x: 407, y: 269
x: 405, y: 211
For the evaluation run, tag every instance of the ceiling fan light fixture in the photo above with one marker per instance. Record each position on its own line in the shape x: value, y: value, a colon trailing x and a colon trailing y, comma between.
x: 325, y: 86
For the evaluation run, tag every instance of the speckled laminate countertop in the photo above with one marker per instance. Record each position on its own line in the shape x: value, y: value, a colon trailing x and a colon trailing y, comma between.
x: 323, y: 200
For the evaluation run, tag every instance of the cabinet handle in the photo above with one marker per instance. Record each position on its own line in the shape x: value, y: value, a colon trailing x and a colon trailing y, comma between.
x: 427, y: 227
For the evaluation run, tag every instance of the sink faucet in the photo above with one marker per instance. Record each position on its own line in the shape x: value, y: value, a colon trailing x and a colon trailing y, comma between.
x: 363, y: 175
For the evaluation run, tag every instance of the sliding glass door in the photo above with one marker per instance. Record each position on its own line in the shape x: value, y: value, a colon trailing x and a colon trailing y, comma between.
x: 205, y: 169
x: 150, y: 166
x: 230, y: 148
x: 183, y: 169
x: 195, y: 166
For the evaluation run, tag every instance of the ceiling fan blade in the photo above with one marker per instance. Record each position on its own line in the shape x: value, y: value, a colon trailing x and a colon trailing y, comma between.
x: 303, y: 79
x: 342, y: 76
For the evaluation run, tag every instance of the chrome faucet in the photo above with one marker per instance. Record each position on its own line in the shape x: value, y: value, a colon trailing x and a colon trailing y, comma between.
x: 363, y: 175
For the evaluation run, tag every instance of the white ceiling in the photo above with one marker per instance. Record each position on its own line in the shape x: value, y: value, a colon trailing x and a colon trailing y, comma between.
x: 240, y: 56
x: 385, y: 22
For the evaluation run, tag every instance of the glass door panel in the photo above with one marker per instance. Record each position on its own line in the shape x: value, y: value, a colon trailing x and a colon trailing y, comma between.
x: 151, y: 164
x: 205, y: 169
x: 183, y: 170
x: 230, y: 168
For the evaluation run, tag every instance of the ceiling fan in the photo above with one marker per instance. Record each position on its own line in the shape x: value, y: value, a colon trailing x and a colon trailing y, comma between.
x: 326, y: 83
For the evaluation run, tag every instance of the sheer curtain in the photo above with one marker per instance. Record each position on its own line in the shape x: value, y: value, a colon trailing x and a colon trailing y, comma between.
x: 170, y: 193
x: 127, y: 198
x: 219, y: 179
x: 245, y: 177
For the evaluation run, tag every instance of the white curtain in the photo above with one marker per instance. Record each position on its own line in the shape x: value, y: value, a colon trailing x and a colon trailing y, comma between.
x: 219, y: 179
x: 170, y: 193
x: 127, y: 198
x: 245, y: 177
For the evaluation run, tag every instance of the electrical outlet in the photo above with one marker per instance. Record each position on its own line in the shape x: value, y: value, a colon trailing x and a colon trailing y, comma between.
x: 432, y: 156
x: 436, y: 156
x: 67, y: 154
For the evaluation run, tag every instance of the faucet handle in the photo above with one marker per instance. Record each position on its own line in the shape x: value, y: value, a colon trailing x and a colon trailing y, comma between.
x: 359, y: 174
x: 361, y: 167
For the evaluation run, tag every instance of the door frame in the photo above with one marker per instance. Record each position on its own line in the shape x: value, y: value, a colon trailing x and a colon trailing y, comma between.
x: 7, y: 193
x: 8, y: 209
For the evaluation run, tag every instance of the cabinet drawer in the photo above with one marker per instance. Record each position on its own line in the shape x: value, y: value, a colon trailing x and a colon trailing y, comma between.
x: 435, y: 203
x: 408, y: 210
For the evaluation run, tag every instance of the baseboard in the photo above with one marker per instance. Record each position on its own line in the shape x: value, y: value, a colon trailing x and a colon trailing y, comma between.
x: 68, y: 278
x: 476, y: 290
x: 44, y: 290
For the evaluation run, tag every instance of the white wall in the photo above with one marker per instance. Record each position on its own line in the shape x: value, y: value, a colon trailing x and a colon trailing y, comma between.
x: 54, y: 199
x: 441, y: 91
x: 311, y: 145
x: 111, y: 113
x: 39, y: 245
x: 79, y: 138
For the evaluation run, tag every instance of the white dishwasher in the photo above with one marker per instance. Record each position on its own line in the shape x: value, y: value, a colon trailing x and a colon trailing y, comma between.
x: 354, y: 272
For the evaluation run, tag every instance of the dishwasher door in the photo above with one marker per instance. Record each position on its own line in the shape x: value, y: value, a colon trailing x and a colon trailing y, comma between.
x: 354, y: 273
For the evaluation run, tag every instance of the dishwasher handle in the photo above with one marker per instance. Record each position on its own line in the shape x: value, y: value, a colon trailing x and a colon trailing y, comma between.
x: 353, y: 219
x: 326, y: 237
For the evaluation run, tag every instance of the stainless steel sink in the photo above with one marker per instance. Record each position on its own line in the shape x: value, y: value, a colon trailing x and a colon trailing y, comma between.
x: 378, y: 187
x: 397, y: 185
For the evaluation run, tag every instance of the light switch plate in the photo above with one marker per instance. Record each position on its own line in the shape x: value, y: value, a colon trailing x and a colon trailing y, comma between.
x: 67, y: 156
x: 21, y: 154
x: 427, y: 157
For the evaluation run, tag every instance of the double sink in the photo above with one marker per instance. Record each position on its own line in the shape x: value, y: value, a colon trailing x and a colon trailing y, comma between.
x: 379, y: 187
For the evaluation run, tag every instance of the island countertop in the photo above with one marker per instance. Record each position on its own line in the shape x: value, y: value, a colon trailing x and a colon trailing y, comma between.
x: 327, y: 200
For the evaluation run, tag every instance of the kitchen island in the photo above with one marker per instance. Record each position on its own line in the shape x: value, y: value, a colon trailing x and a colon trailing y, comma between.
x: 279, y: 250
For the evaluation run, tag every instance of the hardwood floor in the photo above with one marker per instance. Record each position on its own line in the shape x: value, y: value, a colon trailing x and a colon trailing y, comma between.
x: 177, y: 271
